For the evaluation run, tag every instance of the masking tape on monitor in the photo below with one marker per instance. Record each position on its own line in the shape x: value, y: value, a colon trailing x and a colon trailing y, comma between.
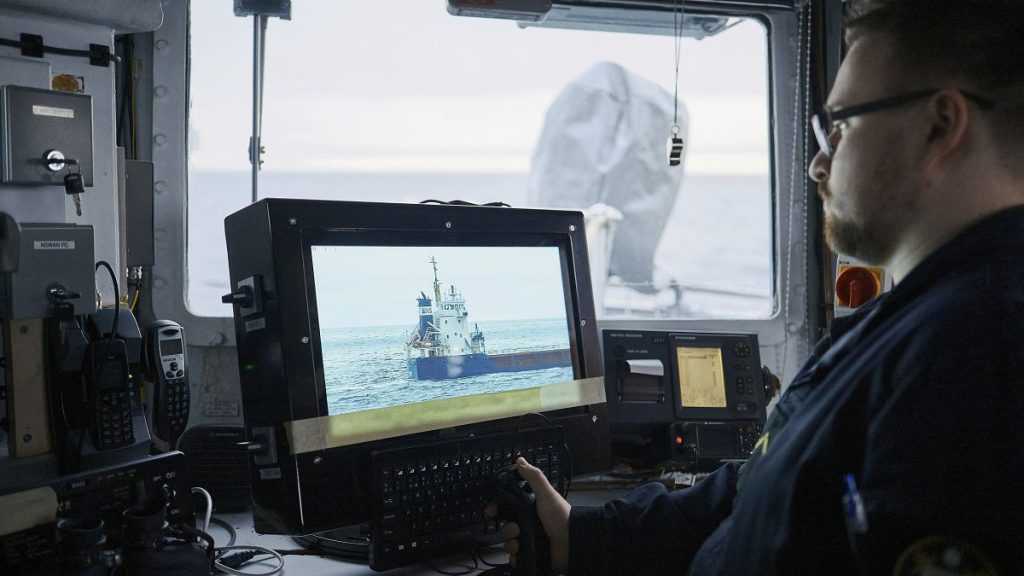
x: 314, y: 434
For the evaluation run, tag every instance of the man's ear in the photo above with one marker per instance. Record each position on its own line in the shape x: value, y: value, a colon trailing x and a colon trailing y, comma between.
x: 949, y: 117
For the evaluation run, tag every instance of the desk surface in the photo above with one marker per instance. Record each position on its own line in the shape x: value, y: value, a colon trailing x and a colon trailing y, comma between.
x: 295, y: 565
x: 320, y: 566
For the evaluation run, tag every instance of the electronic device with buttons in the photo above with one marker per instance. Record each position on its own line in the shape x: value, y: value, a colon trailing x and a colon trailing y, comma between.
x: 30, y: 541
x: 165, y: 357
x: 430, y: 498
x: 109, y: 394
x: 697, y: 398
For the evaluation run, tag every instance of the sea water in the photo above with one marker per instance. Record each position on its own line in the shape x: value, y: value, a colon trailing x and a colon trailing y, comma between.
x: 365, y: 367
x: 718, y: 238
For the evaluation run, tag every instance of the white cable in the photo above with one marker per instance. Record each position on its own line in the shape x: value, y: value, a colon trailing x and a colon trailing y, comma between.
x: 209, y: 506
x: 229, y: 570
x: 222, y: 550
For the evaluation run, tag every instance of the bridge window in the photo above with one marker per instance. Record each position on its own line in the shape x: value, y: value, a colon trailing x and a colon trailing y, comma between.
x: 400, y: 101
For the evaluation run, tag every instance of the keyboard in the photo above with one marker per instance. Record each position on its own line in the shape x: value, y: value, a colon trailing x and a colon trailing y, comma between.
x: 428, y: 499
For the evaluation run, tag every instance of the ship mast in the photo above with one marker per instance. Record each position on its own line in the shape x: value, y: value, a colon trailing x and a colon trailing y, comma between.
x: 437, y: 283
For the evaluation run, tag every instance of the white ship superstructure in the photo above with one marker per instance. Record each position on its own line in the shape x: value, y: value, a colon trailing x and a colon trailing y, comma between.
x: 443, y: 329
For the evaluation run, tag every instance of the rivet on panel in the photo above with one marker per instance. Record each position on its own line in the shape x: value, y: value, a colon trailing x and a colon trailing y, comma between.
x: 160, y: 91
x: 160, y: 139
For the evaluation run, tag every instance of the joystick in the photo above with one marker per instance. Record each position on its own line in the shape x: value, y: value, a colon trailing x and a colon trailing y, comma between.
x: 516, y: 503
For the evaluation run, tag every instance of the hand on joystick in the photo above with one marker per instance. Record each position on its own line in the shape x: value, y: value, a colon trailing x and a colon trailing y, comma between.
x: 536, y: 521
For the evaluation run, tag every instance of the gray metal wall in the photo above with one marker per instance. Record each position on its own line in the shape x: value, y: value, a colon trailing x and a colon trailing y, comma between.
x: 73, y: 24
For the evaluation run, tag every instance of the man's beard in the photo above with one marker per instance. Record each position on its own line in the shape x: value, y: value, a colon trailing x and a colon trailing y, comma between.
x: 852, y: 239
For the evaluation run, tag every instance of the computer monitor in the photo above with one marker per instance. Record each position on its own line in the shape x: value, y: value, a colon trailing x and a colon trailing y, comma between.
x: 362, y: 327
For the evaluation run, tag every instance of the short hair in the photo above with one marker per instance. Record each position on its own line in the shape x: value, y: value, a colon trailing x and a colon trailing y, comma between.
x: 978, y: 43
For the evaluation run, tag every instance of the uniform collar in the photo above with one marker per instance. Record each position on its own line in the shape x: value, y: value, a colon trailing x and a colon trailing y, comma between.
x: 998, y: 236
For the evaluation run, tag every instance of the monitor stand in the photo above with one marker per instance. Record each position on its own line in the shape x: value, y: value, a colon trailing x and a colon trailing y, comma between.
x: 348, y: 542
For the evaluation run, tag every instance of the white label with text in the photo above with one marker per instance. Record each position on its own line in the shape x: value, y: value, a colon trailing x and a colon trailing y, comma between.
x: 53, y: 111
x: 54, y: 244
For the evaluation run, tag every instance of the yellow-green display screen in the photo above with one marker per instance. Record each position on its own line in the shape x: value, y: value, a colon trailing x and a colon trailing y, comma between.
x: 701, y: 381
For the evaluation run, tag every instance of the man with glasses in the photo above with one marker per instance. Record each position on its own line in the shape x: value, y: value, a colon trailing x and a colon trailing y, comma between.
x: 898, y: 448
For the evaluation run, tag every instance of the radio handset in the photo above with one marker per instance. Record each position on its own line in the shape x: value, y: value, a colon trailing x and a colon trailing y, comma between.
x: 168, y: 372
x: 109, y: 395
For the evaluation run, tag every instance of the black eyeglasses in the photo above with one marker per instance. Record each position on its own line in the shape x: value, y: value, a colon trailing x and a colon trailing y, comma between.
x: 825, y: 121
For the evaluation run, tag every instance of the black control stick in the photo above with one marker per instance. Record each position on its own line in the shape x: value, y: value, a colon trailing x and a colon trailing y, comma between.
x: 516, y: 504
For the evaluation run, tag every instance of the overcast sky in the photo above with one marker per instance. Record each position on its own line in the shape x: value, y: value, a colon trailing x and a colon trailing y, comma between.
x: 401, y: 85
x: 378, y: 286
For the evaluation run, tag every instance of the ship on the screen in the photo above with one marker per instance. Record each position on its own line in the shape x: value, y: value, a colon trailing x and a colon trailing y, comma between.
x: 442, y: 345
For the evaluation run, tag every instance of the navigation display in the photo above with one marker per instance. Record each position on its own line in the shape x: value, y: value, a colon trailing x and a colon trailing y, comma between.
x: 701, y: 381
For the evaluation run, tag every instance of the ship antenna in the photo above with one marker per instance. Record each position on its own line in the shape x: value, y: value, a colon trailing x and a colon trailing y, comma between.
x: 437, y: 283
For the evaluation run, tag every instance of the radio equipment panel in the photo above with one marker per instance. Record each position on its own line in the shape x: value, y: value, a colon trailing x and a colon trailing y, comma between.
x: 675, y: 389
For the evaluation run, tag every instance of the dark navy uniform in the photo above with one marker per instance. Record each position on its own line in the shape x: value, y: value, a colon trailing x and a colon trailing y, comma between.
x: 918, y: 397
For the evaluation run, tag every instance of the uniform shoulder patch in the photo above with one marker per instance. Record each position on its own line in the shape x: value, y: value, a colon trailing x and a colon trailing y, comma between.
x: 943, y: 556
x: 762, y: 444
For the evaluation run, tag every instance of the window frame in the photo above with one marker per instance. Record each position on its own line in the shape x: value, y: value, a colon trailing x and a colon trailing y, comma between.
x: 785, y: 336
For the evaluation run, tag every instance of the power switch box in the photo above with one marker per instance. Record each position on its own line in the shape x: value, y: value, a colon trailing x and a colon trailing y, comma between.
x: 42, y: 131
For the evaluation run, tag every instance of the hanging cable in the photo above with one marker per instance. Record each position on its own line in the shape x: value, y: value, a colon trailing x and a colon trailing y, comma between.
x: 675, y: 143
x: 209, y: 506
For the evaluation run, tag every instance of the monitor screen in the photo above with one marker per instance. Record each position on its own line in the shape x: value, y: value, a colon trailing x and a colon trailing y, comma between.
x: 170, y: 346
x: 412, y: 325
x: 701, y: 380
x: 379, y: 326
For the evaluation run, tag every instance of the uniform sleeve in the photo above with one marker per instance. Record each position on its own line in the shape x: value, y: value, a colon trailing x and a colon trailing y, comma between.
x: 943, y: 479
x: 650, y: 530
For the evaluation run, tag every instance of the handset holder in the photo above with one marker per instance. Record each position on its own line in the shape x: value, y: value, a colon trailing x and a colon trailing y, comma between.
x: 517, y: 504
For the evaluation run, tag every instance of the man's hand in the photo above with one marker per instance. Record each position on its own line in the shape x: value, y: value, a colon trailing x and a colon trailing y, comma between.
x: 553, y: 511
